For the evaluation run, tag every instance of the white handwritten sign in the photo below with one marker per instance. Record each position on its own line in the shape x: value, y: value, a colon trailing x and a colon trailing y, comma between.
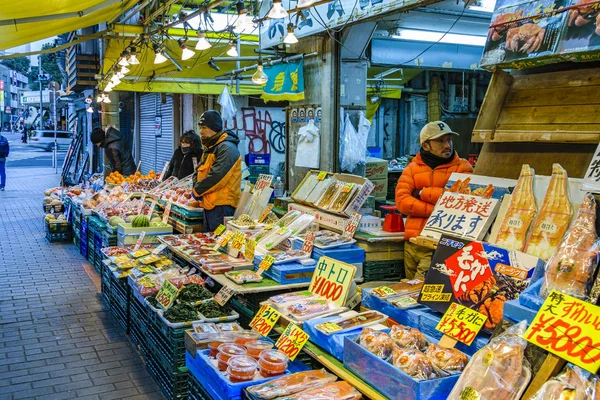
x: 591, y: 180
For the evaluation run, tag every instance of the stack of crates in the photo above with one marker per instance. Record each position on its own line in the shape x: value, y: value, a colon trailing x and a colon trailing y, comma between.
x: 258, y: 164
x: 99, y: 228
x: 83, y: 244
x: 138, y: 319
x: 119, y: 300
x: 195, y: 390
x: 76, y: 224
x: 93, y: 224
x: 383, y: 270
x: 105, y: 281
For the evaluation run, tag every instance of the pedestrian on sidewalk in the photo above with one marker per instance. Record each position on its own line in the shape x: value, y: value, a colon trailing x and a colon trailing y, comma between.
x: 218, y: 178
x: 117, y: 150
x: 4, y: 151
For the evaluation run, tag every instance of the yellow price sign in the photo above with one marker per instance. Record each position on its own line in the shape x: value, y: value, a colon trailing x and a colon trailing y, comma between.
x: 265, y: 319
x: 263, y: 216
x: 220, y: 229
x: 568, y: 327
x: 347, y: 187
x: 384, y: 291
x: 291, y: 341
x: 222, y: 242
x: 322, y: 175
x: 250, y: 249
x: 266, y: 263
x: 461, y: 323
x: 332, y: 279
x: 238, y: 240
x: 167, y: 295
x: 328, y: 327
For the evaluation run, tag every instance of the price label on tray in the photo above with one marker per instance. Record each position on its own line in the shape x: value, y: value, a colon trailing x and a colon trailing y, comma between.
x: 167, y: 295
x: 141, y: 206
x: 322, y: 175
x: 238, y: 240
x: 309, y: 242
x: 263, y: 216
x: 151, y: 210
x: 140, y: 240
x: 223, y: 240
x: 351, y: 226
x: 461, y: 323
x: 159, y: 249
x: 384, y: 291
x: 347, y: 187
x: 167, y: 212
x: 328, y: 327
x: 291, y: 341
x: 220, y: 229
x: 567, y: 327
x: 250, y: 249
x: 265, y: 264
x: 164, y: 171
x: 265, y: 319
x: 224, y: 295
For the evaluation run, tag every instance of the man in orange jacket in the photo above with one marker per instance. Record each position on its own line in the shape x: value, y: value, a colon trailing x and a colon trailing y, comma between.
x: 421, y: 185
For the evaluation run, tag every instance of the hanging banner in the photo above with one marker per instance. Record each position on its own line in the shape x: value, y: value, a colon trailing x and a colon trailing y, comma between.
x: 286, y: 82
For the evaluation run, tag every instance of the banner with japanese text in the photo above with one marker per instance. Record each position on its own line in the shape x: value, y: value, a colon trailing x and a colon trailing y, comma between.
x: 286, y: 82
x: 477, y: 275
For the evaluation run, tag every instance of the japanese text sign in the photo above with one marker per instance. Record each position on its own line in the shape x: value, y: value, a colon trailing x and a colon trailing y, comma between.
x: 461, y: 215
x: 591, y: 179
x: 291, y: 341
x: 167, y: 212
x: 263, y: 216
x: 238, y: 240
x: 263, y: 181
x: 140, y: 240
x: 266, y: 263
x: 159, y: 249
x: 568, y: 327
x: 322, y: 175
x: 224, y: 295
x: 223, y: 240
x: 220, y: 229
x: 332, y: 279
x: 167, y: 295
x: 265, y: 319
x: 141, y: 206
x: 249, y: 249
x: 461, y: 323
x: 351, y: 225
x: 164, y: 171
x: 151, y: 209
x: 309, y: 242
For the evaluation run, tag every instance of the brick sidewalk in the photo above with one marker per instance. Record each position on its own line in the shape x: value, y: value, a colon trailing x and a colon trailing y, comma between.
x: 56, y: 339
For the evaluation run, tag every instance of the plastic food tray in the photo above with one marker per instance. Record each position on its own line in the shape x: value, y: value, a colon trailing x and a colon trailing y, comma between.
x: 382, y: 318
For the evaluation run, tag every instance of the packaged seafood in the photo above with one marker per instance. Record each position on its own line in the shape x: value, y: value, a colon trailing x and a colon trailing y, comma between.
x: 241, y: 368
x: 451, y: 360
x: 520, y: 214
x: 271, y: 240
x: 377, y: 342
x: 330, y: 194
x: 229, y: 327
x: 243, y: 337
x: 571, y: 269
x: 306, y: 309
x: 139, y: 253
x: 128, y: 264
x: 120, y: 259
x: 226, y: 351
x: 149, y: 259
x: 272, y: 363
x: 243, y: 276
x: 217, y: 340
x: 291, y: 297
x: 401, y: 288
x: 553, y: 219
x: 499, y: 370
x: 344, y: 197
x: 413, y: 363
x: 256, y: 347
x: 220, y: 268
x: 291, y: 384
x: 340, y: 390
x: 288, y: 218
x: 300, y: 224
x: 405, y: 302
x: 306, y: 187
x: 320, y: 188
x: 363, y: 319
x: 571, y: 384
x: 115, y: 251
x: 409, y: 338
x: 245, y: 221
x: 203, y: 331
x: 329, y: 239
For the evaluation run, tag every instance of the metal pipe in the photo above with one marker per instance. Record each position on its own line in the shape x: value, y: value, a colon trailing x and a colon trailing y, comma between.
x: 53, y: 17
x: 426, y: 89
x: 175, y: 63
x: 176, y: 80
x: 272, y: 62
x: 473, y: 94
x: 131, y: 12
x: 270, y: 52
x: 237, y: 63
x: 388, y: 72
x: 229, y: 59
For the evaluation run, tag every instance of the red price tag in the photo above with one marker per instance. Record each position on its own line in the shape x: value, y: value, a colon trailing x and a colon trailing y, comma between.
x: 167, y: 212
x: 351, y: 226
x: 265, y: 319
x: 461, y: 323
x: 291, y: 341
x: 309, y: 242
x: 140, y: 240
x: 263, y: 181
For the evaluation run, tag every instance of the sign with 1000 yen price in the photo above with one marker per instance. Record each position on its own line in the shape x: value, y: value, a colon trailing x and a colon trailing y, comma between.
x: 568, y: 327
x: 291, y: 341
x: 332, y: 279
x: 461, y: 323
x: 265, y: 319
x: 167, y: 295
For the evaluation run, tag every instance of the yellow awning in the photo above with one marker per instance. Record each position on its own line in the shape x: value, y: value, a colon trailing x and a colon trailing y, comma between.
x: 196, y: 77
x: 26, y: 21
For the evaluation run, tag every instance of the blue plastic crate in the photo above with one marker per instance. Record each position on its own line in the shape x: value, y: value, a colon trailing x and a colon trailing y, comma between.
x: 350, y: 254
x: 288, y: 273
x: 258, y: 159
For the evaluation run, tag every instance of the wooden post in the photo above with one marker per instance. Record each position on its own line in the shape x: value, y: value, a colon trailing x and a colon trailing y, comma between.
x: 550, y: 368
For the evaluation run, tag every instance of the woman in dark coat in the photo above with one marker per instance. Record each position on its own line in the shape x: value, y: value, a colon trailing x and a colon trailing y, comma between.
x: 186, y: 157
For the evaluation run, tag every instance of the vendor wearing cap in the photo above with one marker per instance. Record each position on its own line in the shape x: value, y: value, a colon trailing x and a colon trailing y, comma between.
x: 217, y: 182
x: 421, y: 185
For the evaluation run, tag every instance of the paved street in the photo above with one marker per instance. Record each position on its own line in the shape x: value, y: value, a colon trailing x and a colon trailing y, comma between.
x: 25, y: 155
x: 56, y: 339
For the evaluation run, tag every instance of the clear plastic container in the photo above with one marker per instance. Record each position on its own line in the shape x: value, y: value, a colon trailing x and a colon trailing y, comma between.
x: 258, y: 346
x: 272, y: 363
x: 228, y: 350
x: 218, y: 339
x: 241, y: 368
x: 244, y: 337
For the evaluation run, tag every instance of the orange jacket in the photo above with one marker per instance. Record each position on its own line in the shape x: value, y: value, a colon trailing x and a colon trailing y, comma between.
x: 219, y: 175
x: 419, y: 177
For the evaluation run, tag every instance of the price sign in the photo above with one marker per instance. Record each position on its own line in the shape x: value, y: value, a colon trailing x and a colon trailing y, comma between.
x: 263, y: 181
x: 265, y: 264
x: 151, y: 210
x: 461, y: 323
x: 238, y: 240
x: 141, y: 206
x: 347, y: 187
x: 250, y: 249
x: 140, y: 240
x: 167, y: 212
x: 159, y: 249
x: 224, y: 295
x: 309, y: 242
x: 351, y: 225
x: 322, y: 175
x: 328, y: 327
x: 164, y: 171
x: 568, y: 327
x: 265, y: 319
x: 167, y: 295
x: 223, y: 240
x: 332, y: 279
x: 384, y: 291
x: 220, y: 229
x: 291, y: 341
x: 265, y: 213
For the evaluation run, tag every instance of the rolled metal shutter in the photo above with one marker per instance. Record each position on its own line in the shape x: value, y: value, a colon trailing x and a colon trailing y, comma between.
x: 155, y: 151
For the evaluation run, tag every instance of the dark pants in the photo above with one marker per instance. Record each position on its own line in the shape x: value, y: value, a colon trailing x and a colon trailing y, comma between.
x: 213, y: 218
x: 2, y: 172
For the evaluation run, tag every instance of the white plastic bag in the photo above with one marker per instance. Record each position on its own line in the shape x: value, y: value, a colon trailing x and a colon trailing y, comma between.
x: 354, y: 149
x: 228, y: 108
x: 309, y: 146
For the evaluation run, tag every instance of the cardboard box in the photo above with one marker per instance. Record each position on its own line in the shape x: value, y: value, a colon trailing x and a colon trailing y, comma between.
x: 376, y: 168
x: 381, y: 188
x: 192, y: 345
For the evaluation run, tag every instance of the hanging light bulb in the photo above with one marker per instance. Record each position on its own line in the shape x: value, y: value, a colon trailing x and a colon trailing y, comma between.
x: 259, y: 77
x: 106, y: 99
x: 232, y: 52
x: 100, y: 98
x: 186, y: 53
x: 119, y: 74
x: 306, y: 3
x: 109, y: 87
x: 123, y: 61
x: 125, y: 70
x: 202, y: 44
x: 160, y: 57
x: 133, y: 60
x: 277, y: 11
x: 90, y: 109
x: 290, y: 38
x: 115, y: 80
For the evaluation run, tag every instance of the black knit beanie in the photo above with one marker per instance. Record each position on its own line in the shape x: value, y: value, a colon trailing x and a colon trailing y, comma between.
x: 212, y: 120
x: 97, y: 135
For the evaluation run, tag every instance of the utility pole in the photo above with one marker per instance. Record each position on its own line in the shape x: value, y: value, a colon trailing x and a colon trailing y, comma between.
x: 53, y: 100
x: 40, y: 79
